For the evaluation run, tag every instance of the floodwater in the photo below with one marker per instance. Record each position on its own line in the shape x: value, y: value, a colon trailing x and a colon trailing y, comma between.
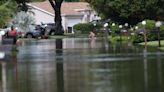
x: 82, y: 65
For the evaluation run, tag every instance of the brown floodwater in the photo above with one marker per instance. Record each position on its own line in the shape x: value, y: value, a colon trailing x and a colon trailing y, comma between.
x: 81, y: 65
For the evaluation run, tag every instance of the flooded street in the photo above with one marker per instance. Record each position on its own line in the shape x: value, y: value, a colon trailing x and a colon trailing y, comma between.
x: 82, y: 65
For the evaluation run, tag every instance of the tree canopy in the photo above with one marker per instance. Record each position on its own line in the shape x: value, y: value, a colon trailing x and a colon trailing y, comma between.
x: 22, y: 4
x: 130, y: 11
x: 7, y: 10
x: 72, y: 0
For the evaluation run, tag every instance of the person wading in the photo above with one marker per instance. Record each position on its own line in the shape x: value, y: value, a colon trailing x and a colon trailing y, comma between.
x: 13, y: 34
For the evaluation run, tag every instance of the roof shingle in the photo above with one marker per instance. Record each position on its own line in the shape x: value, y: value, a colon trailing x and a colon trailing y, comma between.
x: 67, y: 8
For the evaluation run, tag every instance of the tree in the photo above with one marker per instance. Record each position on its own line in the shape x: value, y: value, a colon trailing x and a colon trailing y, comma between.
x: 72, y: 0
x: 22, y: 6
x: 23, y: 21
x: 56, y: 5
x: 7, y: 10
x: 130, y: 11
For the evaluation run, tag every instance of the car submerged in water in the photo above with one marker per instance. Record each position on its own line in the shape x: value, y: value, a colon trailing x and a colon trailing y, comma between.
x: 34, y: 32
x: 50, y: 28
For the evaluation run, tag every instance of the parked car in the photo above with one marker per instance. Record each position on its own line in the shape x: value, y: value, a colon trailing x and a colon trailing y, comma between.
x: 3, y: 31
x: 50, y: 28
x: 34, y: 32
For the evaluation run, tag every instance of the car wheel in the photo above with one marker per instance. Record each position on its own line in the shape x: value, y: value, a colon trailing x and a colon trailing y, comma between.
x: 29, y: 36
x: 52, y: 32
x: 47, y: 31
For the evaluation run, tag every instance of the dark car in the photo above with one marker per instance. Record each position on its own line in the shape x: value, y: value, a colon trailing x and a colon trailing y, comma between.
x: 50, y: 28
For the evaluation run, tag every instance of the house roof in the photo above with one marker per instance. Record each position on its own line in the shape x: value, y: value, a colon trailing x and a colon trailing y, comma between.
x: 67, y: 8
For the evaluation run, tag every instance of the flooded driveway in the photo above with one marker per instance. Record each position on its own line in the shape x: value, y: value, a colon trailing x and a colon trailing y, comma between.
x: 82, y: 65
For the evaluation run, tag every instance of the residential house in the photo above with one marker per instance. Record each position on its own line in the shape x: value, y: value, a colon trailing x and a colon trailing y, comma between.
x: 72, y: 13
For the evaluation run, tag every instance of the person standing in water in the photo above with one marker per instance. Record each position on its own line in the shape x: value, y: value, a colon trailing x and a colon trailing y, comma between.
x: 91, y: 35
x: 12, y: 33
x: 91, y: 39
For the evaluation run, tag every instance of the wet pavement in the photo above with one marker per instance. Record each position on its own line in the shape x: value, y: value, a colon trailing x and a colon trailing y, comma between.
x: 81, y: 65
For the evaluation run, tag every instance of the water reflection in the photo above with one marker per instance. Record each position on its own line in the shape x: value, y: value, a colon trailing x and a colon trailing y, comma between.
x: 4, y: 83
x: 59, y: 66
x: 159, y: 69
x: 71, y: 65
x: 92, y: 42
x: 145, y: 63
x: 4, y: 71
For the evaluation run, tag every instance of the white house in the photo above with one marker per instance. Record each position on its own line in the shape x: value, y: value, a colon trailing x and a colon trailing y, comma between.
x: 72, y: 13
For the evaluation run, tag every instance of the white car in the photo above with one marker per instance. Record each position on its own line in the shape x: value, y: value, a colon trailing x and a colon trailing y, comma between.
x: 2, y: 32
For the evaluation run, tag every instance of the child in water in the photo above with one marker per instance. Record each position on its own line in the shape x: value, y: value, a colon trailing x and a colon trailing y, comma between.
x: 91, y: 35
x: 91, y: 39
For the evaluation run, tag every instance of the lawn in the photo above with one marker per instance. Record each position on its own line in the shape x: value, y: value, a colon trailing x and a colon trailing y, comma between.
x: 68, y: 36
x: 154, y: 44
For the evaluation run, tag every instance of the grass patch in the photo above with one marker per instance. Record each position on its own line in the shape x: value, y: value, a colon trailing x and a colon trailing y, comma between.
x: 57, y: 37
x: 118, y: 39
x: 154, y: 44
x: 162, y: 48
x: 68, y: 36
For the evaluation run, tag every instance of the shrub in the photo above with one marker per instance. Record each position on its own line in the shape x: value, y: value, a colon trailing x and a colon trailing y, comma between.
x: 150, y: 24
x: 151, y: 32
x: 114, y: 30
x: 83, y: 28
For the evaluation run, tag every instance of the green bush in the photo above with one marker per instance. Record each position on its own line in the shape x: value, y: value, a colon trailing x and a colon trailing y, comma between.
x: 162, y: 27
x: 137, y: 38
x: 151, y: 32
x: 150, y: 24
x: 116, y: 39
x: 115, y: 30
x: 83, y: 28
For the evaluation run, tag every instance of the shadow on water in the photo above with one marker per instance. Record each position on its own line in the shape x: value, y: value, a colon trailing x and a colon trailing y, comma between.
x: 81, y: 65
x: 4, y: 70
x: 59, y: 66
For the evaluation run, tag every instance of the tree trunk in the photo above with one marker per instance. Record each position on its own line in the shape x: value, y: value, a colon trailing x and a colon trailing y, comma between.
x: 58, y: 20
